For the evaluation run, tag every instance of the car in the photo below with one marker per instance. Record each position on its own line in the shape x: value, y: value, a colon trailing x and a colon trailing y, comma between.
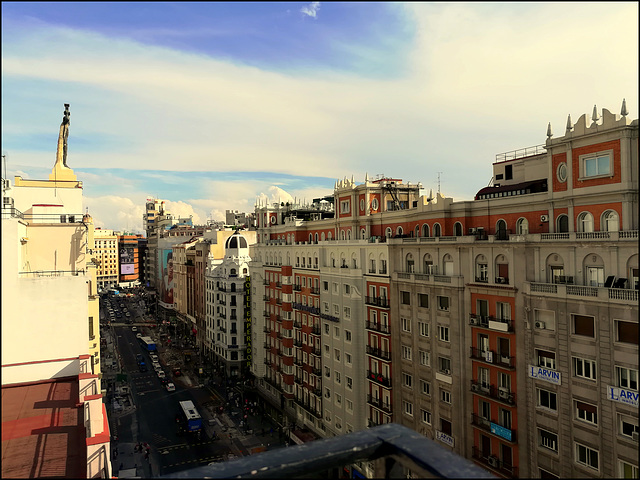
x: 155, y: 365
x: 127, y: 314
x: 160, y: 374
x: 154, y: 357
x: 134, y: 329
x: 138, y: 335
x: 170, y: 387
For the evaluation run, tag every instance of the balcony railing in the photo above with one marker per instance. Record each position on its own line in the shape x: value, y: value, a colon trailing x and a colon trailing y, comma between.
x: 315, y: 290
x: 494, y: 427
x: 297, y: 288
x: 315, y: 330
x: 378, y: 403
x: 379, y: 378
x: 493, y: 462
x: 316, y: 352
x: 298, y: 380
x: 266, y: 329
x: 583, y: 291
x: 492, y: 391
x: 398, y: 445
x: 382, y: 302
x: 493, y: 358
x: 297, y: 324
x: 297, y: 361
x: 494, y: 323
x: 378, y: 327
x: 377, y: 352
x: 265, y: 314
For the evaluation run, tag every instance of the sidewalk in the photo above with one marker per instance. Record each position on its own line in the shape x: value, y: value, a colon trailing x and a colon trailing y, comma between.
x: 128, y: 463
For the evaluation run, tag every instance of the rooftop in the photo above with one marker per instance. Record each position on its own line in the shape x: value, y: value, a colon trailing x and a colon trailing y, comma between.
x: 43, y: 434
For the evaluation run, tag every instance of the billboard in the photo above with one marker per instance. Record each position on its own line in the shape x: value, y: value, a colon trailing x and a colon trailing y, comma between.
x: 127, y: 255
x: 127, y: 269
x: 167, y: 281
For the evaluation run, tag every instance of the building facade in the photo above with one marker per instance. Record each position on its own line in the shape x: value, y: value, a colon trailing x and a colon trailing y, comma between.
x: 504, y: 327
x: 106, y: 252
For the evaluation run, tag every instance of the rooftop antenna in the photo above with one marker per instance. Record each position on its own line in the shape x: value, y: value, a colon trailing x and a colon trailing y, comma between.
x: 439, y: 182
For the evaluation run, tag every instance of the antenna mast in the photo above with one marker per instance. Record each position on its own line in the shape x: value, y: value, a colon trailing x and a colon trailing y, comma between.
x: 439, y: 182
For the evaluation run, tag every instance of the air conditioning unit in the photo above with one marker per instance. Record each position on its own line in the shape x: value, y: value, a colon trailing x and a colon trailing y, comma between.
x: 635, y: 436
x: 475, y: 387
x: 493, y: 461
x: 503, y: 394
x: 544, y: 218
x: 540, y: 325
x: 474, y: 321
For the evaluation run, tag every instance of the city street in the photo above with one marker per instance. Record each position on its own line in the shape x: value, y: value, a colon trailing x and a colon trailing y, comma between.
x: 141, y: 410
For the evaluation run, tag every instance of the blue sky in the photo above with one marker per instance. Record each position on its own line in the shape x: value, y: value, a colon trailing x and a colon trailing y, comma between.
x: 211, y: 105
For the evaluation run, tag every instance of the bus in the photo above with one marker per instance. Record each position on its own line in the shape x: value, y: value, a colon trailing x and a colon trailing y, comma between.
x: 148, y: 344
x: 191, y: 416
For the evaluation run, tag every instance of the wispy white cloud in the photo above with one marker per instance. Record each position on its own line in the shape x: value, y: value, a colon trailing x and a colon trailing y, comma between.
x: 311, y: 10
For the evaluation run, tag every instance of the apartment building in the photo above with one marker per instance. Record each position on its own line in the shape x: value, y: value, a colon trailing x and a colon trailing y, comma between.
x: 128, y: 257
x: 106, y: 252
x: 50, y: 303
x: 505, y: 327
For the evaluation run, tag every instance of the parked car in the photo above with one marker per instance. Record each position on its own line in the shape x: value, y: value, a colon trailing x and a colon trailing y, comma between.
x: 154, y: 357
x: 134, y: 329
x: 170, y: 387
x: 138, y: 335
x: 161, y: 374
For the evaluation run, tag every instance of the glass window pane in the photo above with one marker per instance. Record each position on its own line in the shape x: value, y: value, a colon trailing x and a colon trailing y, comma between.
x: 590, y: 167
x: 603, y: 165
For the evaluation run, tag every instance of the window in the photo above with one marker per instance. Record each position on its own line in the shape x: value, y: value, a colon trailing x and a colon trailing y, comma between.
x: 627, y: 470
x: 627, y: 378
x: 407, y: 380
x: 423, y: 300
x: 443, y: 303
x: 626, y: 332
x: 586, y: 412
x: 349, y: 404
x: 347, y: 358
x: 546, y: 359
x: 405, y: 298
x: 596, y: 165
x: 610, y: 222
x: 338, y: 398
x: 426, y: 416
x: 327, y: 372
x: 347, y: 312
x: 586, y: 456
x: 345, y: 206
x: 347, y: 335
x: 336, y: 354
x: 445, y: 396
x: 406, y: 352
x: 407, y: 408
x: 349, y: 381
x: 326, y: 329
x: 583, y: 325
x: 547, y: 399
x: 628, y: 426
x: 585, y: 222
x: 584, y: 368
x: 406, y: 324
x: 443, y: 333
x: 424, y: 358
x: 425, y: 387
x: 548, y: 440
x: 337, y: 377
x: 325, y: 286
x: 444, y: 365
x: 423, y: 327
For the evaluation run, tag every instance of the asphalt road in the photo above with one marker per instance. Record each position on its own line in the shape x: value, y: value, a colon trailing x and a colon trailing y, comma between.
x: 153, y: 421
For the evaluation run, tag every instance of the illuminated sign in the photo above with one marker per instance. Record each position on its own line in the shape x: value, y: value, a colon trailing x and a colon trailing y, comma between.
x: 545, y: 374
x: 247, y: 320
x: 127, y: 269
x: 622, y: 395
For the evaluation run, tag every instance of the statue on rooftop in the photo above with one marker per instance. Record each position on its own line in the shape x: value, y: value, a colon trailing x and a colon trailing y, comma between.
x: 61, y: 156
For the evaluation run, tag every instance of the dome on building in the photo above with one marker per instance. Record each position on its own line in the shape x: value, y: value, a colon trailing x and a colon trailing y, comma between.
x: 235, y: 243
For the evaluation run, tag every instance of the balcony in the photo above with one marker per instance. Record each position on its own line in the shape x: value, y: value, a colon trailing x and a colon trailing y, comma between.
x: 265, y: 314
x: 265, y: 282
x: 399, y: 445
x: 382, y: 302
x: 493, y: 392
x: 377, y: 352
x: 267, y: 362
x: 297, y: 361
x: 315, y: 290
x: 297, y: 343
x: 379, y: 378
x: 581, y: 292
x: 491, y: 357
x: 378, y: 403
x: 494, y: 428
x: 316, y: 352
x: 494, y: 463
x: 490, y: 322
x: 316, y: 371
x: 278, y: 285
x: 266, y: 298
x: 266, y: 329
x: 297, y: 324
x: 315, y: 330
x: 298, y: 380
x: 312, y: 410
x: 378, y: 327
x: 297, y: 288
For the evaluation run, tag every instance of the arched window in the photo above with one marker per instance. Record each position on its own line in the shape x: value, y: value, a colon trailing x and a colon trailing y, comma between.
x: 457, y: 229
x: 329, y: 236
x: 333, y: 260
x: 341, y: 234
x: 448, y: 265
x: 388, y: 232
x: 501, y: 226
x: 311, y: 238
x: 322, y: 237
x: 482, y: 269
x: 349, y: 234
x: 425, y: 230
x: 232, y: 273
x: 343, y: 261
x: 593, y: 268
x: 502, y: 269
x: 632, y: 268
x: 555, y: 269
x: 522, y: 226
x: 354, y: 261
x: 610, y: 221
x: 429, y: 267
x: 363, y: 234
x: 233, y: 287
x: 585, y: 222
x: 399, y: 231
x: 382, y: 267
x: 410, y: 263
x: 316, y: 238
x: 416, y: 231
x: 562, y: 224
x: 437, y: 231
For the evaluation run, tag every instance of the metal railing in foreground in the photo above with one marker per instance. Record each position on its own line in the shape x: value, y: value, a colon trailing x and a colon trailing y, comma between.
x: 395, y: 444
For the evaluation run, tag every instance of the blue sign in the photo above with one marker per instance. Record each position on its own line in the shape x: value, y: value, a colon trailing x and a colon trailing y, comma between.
x: 545, y: 374
x: 501, y: 431
x: 622, y: 395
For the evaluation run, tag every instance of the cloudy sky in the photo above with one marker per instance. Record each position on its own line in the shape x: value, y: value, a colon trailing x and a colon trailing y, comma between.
x: 211, y: 105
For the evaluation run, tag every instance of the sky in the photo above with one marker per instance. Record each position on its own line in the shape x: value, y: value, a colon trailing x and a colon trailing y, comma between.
x: 210, y: 106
